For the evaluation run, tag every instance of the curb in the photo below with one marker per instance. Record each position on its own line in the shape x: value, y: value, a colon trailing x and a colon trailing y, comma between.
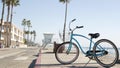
x: 38, y: 61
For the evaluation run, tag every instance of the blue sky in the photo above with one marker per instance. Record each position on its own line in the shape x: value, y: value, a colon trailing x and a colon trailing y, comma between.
x: 102, y: 16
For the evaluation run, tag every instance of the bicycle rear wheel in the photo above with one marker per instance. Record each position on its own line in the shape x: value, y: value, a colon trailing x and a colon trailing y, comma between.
x: 105, y: 53
x: 69, y: 54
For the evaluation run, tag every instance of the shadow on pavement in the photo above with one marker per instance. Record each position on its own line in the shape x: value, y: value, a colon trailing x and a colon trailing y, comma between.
x: 82, y: 67
x: 36, y: 55
x: 62, y: 66
x: 32, y: 64
x: 48, y: 53
x: 68, y: 66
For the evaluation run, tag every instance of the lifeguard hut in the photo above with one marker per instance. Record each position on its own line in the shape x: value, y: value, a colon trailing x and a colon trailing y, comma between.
x: 47, y: 39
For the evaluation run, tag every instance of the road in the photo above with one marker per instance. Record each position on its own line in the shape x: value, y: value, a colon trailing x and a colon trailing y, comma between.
x: 18, y: 57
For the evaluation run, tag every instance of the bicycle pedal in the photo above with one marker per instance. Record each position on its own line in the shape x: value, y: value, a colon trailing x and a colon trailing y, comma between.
x: 89, y: 53
x: 91, y: 57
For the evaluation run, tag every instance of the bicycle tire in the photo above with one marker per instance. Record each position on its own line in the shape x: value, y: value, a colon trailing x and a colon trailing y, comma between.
x: 109, y: 56
x: 63, y: 57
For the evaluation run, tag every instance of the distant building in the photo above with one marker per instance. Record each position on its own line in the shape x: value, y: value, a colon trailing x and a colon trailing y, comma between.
x: 16, y: 35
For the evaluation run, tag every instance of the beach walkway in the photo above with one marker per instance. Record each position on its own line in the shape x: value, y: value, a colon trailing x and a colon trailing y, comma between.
x: 47, y: 59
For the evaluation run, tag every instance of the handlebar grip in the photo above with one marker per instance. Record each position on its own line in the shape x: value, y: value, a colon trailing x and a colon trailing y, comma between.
x: 79, y: 26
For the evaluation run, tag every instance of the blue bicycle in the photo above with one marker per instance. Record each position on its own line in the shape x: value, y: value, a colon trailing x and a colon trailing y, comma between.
x: 103, y: 51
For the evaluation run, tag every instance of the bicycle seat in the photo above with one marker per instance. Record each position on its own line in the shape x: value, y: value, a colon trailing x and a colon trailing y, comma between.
x: 95, y: 35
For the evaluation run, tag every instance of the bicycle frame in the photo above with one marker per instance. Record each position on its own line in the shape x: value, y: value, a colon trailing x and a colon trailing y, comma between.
x: 78, y: 44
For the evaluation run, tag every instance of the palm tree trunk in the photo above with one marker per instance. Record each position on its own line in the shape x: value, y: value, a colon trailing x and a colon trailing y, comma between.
x: 11, y: 14
x: 64, y: 29
x: 34, y: 38
x: 28, y: 35
x: 31, y: 38
x: 24, y: 32
x: 3, y: 8
x: 10, y: 24
x: 7, y: 27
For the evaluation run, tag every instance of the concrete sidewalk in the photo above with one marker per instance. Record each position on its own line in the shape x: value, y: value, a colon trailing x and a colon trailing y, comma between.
x: 47, y: 59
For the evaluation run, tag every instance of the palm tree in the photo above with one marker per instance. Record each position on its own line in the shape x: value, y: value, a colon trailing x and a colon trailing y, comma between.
x: 25, y: 40
x: 7, y: 27
x: 34, y: 32
x: 2, y: 16
x: 24, y: 24
x: 8, y: 3
x: 26, y: 32
x: 13, y: 3
x: 64, y: 29
x: 28, y: 25
x: 31, y: 32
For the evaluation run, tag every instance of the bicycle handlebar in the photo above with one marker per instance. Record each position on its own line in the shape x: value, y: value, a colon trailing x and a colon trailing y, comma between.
x: 73, y: 20
x: 76, y: 26
x: 79, y: 26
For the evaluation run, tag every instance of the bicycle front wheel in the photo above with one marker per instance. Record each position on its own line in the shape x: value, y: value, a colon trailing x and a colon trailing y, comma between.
x: 105, y: 53
x: 67, y: 53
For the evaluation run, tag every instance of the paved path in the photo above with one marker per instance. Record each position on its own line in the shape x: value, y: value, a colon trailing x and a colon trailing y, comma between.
x: 6, y: 52
x: 48, y: 60
x: 18, y: 57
